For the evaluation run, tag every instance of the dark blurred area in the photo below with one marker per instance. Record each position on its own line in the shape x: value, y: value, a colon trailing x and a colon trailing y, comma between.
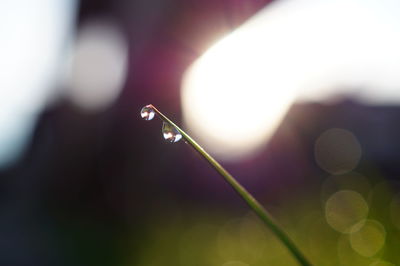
x: 103, y: 187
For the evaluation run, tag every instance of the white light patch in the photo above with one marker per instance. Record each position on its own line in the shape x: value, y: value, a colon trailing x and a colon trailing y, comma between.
x: 33, y: 39
x: 232, y: 99
x: 236, y: 94
x: 99, y: 65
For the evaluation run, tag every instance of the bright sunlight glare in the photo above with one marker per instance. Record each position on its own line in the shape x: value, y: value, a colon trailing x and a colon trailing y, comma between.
x: 236, y: 94
x: 228, y: 102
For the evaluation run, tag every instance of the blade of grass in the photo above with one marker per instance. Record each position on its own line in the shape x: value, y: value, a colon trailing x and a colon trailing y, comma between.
x: 247, y: 197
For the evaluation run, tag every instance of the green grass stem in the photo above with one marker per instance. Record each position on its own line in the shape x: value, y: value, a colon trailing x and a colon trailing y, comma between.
x: 246, y: 196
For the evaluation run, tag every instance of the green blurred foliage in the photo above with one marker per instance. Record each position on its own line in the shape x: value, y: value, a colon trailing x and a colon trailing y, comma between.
x: 214, y: 237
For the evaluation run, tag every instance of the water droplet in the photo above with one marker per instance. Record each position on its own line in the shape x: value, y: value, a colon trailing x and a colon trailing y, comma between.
x: 147, y: 112
x: 170, y: 133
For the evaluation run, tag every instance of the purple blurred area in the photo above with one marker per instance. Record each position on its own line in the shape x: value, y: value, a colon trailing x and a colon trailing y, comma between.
x: 92, y: 186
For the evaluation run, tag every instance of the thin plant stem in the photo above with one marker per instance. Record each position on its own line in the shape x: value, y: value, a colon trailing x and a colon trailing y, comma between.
x: 246, y: 196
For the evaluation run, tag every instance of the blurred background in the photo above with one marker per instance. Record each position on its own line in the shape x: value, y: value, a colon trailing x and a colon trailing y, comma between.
x: 297, y: 99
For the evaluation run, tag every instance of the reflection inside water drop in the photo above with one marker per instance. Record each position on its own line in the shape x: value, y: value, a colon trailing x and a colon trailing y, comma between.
x: 170, y: 133
x: 147, y: 112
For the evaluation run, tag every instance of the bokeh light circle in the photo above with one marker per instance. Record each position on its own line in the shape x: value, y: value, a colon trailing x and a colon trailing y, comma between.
x: 344, y: 209
x: 337, y: 151
x: 98, y: 65
x: 347, y: 256
x: 367, y: 237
